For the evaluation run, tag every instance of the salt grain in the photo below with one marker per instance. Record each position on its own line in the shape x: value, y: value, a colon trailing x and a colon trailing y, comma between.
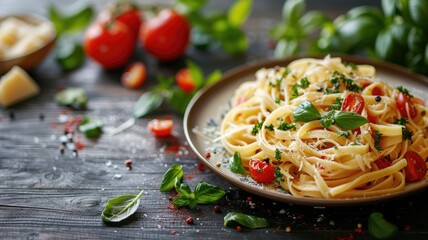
x: 282, y: 211
x: 108, y: 163
x: 117, y: 176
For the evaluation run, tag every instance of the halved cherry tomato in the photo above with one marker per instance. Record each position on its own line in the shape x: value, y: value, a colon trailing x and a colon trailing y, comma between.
x: 184, y: 80
x: 261, y: 171
x: 416, y: 168
x: 365, y: 82
x: 124, y: 12
x: 377, y: 91
x: 134, y: 75
x: 161, y: 128
x: 353, y: 102
x: 110, y: 45
x: 371, y: 118
x: 383, y: 162
x: 402, y: 101
x: 165, y: 36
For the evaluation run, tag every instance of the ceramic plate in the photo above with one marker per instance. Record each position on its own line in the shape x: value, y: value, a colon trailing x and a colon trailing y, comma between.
x: 205, y: 112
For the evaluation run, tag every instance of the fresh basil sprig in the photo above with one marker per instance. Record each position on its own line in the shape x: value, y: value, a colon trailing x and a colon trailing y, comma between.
x: 307, y: 112
x: 379, y: 228
x: 245, y: 220
x: 173, y: 173
x: 92, y: 128
x: 147, y: 103
x: 121, y: 207
x: 204, y: 193
x: 236, y: 164
x: 72, y: 97
x: 76, y: 18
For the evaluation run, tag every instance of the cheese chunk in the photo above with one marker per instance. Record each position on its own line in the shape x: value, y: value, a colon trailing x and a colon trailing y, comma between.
x: 16, y: 86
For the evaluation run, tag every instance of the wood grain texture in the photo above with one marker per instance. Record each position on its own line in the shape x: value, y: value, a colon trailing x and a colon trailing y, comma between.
x: 48, y: 195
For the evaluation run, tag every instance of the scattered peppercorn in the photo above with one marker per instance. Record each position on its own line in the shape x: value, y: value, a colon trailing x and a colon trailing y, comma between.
x: 217, y: 209
x: 201, y: 167
x: 128, y: 164
x: 174, y: 232
x: 238, y: 228
x: 207, y: 155
x: 189, y: 220
x: 288, y: 229
x: 61, y: 149
x: 41, y: 116
x: 12, y: 116
x: 423, y: 113
x: 218, y: 164
x: 170, y: 199
x: 249, y: 198
x: 378, y: 98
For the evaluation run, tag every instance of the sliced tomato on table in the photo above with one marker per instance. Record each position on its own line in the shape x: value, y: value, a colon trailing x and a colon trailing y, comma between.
x: 416, y: 168
x: 184, y: 80
x: 403, y: 102
x: 134, y: 75
x: 161, y: 127
x: 109, y: 44
x: 261, y: 171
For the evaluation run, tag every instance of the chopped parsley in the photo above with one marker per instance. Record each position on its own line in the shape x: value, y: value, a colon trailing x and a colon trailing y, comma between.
x: 285, y: 126
x: 277, y: 154
x: 269, y: 127
x: 352, y: 65
x: 401, y: 121
x: 343, y: 134
x: 377, y: 136
x: 337, y: 104
x: 277, y: 100
x: 256, y: 128
x: 304, y: 83
x: 404, y: 90
x: 278, y: 175
x: 407, y: 134
x: 338, y: 78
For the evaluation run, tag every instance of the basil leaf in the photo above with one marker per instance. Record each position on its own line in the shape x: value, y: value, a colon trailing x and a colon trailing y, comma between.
x: 183, y: 189
x: 179, y: 99
x: 248, y: 221
x: 388, y: 7
x: 206, y: 193
x: 181, y: 201
x: 239, y: 12
x: 92, y: 128
x: 286, y: 48
x: 147, y: 103
x: 56, y: 19
x: 236, y: 164
x: 293, y: 10
x: 168, y: 180
x: 349, y: 120
x: 306, y: 112
x: 69, y: 53
x: 195, y: 73
x: 312, y: 21
x: 78, y: 17
x: 213, y: 77
x: 121, y: 207
x: 72, y: 97
x: 379, y: 228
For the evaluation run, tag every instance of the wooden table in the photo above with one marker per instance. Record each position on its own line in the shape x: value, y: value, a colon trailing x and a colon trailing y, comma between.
x: 48, y: 195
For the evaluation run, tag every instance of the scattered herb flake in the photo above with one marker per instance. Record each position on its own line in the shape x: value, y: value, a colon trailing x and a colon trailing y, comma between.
x: 377, y: 137
x: 401, y: 121
x: 404, y: 90
x: 278, y: 175
x: 277, y: 154
x: 256, y: 128
x: 269, y: 127
x: 285, y: 126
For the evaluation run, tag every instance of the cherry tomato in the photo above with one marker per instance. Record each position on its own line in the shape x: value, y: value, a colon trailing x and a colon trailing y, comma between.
x: 134, y: 75
x: 383, y: 162
x: 125, y: 13
x: 365, y: 83
x: 401, y: 102
x: 110, y: 45
x: 165, y: 36
x: 371, y: 118
x: 353, y: 102
x: 261, y: 171
x: 377, y: 91
x: 416, y: 168
x: 184, y: 80
x: 161, y: 128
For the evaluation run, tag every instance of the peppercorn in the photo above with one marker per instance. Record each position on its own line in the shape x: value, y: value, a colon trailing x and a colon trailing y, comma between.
x: 201, y: 167
x: 128, y: 164
x: 189, y: 220
x: 207, y: 155
x: 238, y: 228
x: 41, y: 117
x: 217, y: 209
x: 378, y: 98
x: 12, y: 116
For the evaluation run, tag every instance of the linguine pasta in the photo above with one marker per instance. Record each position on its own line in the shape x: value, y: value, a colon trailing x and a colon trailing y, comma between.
x: 325, y: 162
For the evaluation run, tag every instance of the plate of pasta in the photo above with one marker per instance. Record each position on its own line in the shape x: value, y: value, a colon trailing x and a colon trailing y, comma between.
x: 329, y: 130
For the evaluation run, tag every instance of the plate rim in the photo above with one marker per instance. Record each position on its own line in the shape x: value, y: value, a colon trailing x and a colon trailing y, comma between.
x: 246, y: 68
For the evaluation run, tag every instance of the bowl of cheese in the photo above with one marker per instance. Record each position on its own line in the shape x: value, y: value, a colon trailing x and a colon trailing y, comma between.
x: 25, y: 40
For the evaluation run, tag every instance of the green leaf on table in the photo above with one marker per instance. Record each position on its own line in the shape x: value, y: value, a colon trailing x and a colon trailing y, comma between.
x: 179, y: 99
x: 306, y: 112
x: 236, y: 164
x: 182, y: 189
x: 121, y: 207
x: 196, y: 73
x: 249, y: 221
x: 206, y: 193
x: 78, y: 16
x: 213, y: 77
x: 92, y: 128
x: 72, y: 97
x: 293, y: 10
x: 239, y: 12
x: 69, y: 53
x: 349, y: 120
x: 168, y: 180
x: 379, y: 228
x: 147, y: 103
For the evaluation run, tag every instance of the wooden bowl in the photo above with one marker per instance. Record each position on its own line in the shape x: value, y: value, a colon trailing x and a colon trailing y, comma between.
x: 30, y: 60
